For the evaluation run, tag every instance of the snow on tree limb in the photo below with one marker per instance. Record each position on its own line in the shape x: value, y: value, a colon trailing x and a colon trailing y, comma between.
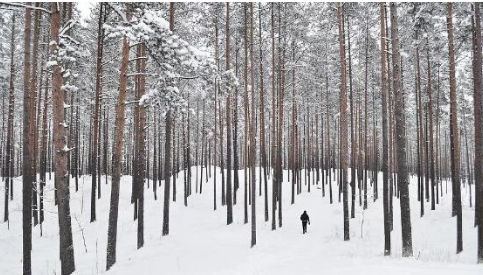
x: 172, y: 55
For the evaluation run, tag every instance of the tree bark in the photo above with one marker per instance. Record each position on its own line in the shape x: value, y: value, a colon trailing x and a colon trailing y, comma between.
x: 117, y: 153
x: 402, y: 173
x: 60, y: 157
x: 229, y: 196
x: 167, y: 160
x: 478, y: 170
x: 8, y: 173
x: 454, y: 135
x: 343, y: 121
x: 94, y: 157
x: 27, y: 171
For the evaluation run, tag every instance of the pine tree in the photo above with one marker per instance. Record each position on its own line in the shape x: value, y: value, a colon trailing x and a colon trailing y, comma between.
x: 8, y: 171
x: 117, y: 147
x: 478, y: 108
x: 454, y: 135
x: 343, y: 120
x: 229, y: 196
x: 402, y: 171
x: 60, y: 156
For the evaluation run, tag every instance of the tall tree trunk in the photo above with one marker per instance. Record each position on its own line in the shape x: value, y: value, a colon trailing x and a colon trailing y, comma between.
x: 403, y: 178
x: 117, y: 152
x: 27, y: 170
x: 343, y: 121
x: 8, y: 173
x: 272, y: 126
x: 33, y: 125
x: 141, y: 146
x: 246, y: 111
x: 281, y: 85
x: 94, y: 157
x: 454, y: 135
x: 478, y: 108
x: 167, y: 160
x: 366, y: 118
x: 253, y: 131
x: 430, y: 156
x: 329, y: 148
x: 62, y: 182
x: 353, y: 127
x: 390, y: 126
x: 263, y: 153
x: 216, y: 110
x: 229, y: 196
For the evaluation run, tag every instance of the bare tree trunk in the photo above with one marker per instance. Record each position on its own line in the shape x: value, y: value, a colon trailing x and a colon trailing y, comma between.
x: 216, y: 110
x: 33, y: 125
x: 117, y: 153
x: 281, y: 73
x: 455, y: 144
x: 253, y: 131
x: 94, y: 157
x: 236, y: 183
x: 8, y: 173
x: 478, y: 172
x: 430, y: 156
x: 263, y: 153
x: 62, y: 182
x: 27, y: 170
x: 141, y: 146
x: 329, y: 148
x: 390, y: 127
x: 229, y: 196
x: 246, y: 110
x: 353, y: 127
x: 343, y: 121
x: 167, y: 160
x: 402, y: 172
x: 366, y: 118
x: 155, y: 155
x: 272, y: 127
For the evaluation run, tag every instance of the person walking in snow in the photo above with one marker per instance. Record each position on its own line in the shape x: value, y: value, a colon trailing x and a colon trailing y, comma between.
x: 304, y: 218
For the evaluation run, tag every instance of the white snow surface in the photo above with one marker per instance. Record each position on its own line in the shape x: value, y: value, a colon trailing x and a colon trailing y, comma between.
x: 200, y: 242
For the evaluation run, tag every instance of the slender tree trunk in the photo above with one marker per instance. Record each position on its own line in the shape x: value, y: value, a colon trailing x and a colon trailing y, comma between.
x: 216, y: 109
x: 454, y: 134
x: 431, y: 138
x: 117, y: 153
x: 343, y: 121
x: 402, y: 172
x: 94, y: 157
x: 60, y: 157
x: 281, y: 73
x: 263, y: 153
x: 246, y: 111
x: 33, y: 125
x: 11, y: 112
x: 229, y: 196
x: 236, y: 183
x: 141, y: 148
x: 272, y: 127
x: 167, y: 160
x: 366, y: 118
x: 478, y: 169
x: 329, y: 148
x: 27, y: 170
x: 353, y: 127
x: 252, y: 131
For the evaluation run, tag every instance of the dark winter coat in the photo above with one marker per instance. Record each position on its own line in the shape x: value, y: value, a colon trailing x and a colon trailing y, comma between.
x: 305, y: 217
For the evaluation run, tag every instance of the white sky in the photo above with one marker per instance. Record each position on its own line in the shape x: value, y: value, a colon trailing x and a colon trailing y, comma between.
x: 84, y: 8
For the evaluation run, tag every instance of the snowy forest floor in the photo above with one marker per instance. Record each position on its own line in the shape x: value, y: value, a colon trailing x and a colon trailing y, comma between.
x: 200, y: 242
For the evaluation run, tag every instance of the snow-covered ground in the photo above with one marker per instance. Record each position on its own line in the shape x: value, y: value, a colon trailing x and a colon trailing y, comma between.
x: 200, y: 242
